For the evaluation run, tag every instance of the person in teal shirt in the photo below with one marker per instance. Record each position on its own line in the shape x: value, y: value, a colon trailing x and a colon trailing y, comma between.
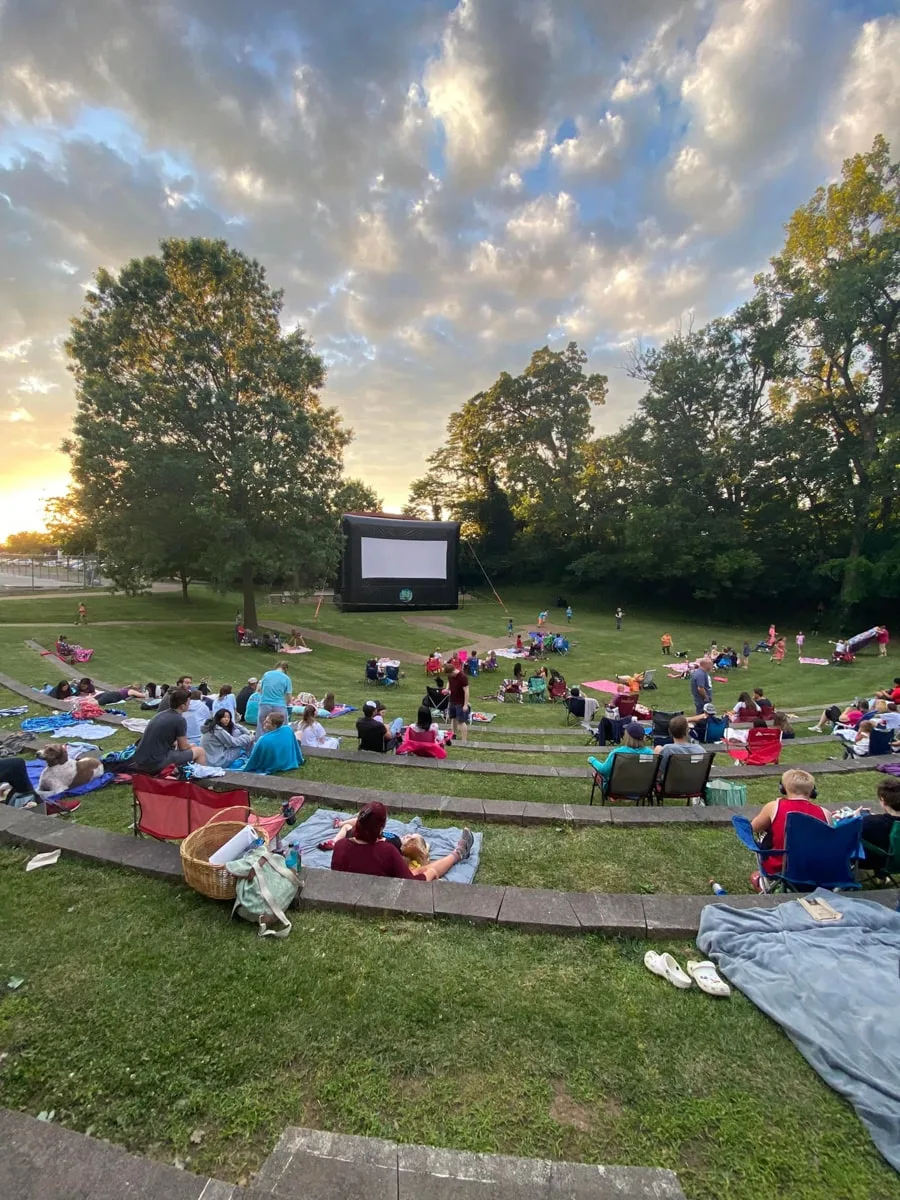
x: 633, y: 742
x: 275, y: 692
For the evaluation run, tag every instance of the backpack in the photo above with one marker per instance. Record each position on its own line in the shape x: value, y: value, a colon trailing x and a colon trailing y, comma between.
x: 265, y: 886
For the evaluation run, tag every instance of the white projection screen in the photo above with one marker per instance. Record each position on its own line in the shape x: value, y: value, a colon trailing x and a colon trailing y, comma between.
x: 390, y: 558
x: 393, y: 562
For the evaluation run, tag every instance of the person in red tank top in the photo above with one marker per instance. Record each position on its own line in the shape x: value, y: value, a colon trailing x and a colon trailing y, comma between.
x: 769, y: 825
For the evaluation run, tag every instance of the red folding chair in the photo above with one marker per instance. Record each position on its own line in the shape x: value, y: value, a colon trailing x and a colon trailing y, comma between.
x: 763, y: 747
x: 169, y: 809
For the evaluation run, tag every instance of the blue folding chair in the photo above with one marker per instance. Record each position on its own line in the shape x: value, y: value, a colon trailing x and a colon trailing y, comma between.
x: 814, y: 854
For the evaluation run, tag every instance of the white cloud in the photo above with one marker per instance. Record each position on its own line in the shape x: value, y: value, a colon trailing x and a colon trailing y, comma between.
x: 595, y: 148
x: 16, y: 350
x: 868, y: 101
x: 14, y: 416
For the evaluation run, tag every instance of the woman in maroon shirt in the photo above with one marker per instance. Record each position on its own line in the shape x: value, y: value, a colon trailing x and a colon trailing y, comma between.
x: 360, y: 848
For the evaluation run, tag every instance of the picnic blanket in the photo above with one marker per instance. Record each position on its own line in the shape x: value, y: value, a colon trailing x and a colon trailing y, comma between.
x: 320, y: 827
x: 341, y: 711
x: 36, y: 767
x: 511, y: 652
x: 831, y: 986
x: 86, y: 730
x: 603, y: 685
x: 48, y: 724
x: 482, y: 718
x: 296, y: 650
x: 815, y: 662
x: 14, y: 712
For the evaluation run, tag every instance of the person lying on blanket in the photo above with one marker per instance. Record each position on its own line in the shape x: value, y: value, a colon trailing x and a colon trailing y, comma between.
x: 361, y: 848
x: 62, y: 772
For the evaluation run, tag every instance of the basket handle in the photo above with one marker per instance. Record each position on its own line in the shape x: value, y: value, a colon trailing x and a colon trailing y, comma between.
x: 219, y: 815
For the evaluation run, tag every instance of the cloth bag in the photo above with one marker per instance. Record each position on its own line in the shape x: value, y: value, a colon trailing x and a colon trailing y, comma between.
x: 265, y: 886
x: 726, y: 792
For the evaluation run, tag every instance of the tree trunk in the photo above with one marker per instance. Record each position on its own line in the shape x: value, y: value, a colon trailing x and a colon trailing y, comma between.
x: 183, y: 576
x: 250, y: 618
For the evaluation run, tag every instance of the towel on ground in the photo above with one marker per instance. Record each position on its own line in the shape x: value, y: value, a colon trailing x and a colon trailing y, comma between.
x: 320, y: 827
x: 86, y: 730
x: 14, y: 712
x: 274, y: 752
x: 47, y: 724
x: 296, y: 650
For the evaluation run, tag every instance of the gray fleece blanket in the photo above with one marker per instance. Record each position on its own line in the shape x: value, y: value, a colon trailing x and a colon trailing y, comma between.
x: 833, y: 987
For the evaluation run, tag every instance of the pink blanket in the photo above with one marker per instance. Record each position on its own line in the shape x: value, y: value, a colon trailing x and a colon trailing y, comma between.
x: 603, y: 685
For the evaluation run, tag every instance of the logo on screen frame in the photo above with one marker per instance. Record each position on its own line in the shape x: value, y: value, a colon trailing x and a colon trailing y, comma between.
x: 406, y: 595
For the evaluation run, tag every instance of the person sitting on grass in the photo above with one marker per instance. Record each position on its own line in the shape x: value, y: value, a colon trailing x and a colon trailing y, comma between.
x: 833, y: 716
x: 311, y: 733
x: 225, y: 699
x: 634, y: 741
x: 763, y: 703
x: 224, y: 741
x: 165, y: 742
x: 361, y: 848
x: 276, y: 749
x: 798, y: 789
x: 877, y: 827
x: 424, y: 738
x: 782, y: 721
x: 196, y: 716
x: 62, y: 773
x: 372, y: 732
x: 436, y: 695
x: 891, y: 693
x: 889, y: 718
x: 14, y: 774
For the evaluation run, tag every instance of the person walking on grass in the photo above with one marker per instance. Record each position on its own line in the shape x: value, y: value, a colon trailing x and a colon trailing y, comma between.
x: 569, y: 614
x: 666, y: 642
x: 82, y: 613
x: 800, y: 639
x: 882, y: 637
x: 509, y: 627
x: 619, y: 616
x: 778, y: 651
x: 701, y: 685
x: 275, y: 691
x: 460, y: 712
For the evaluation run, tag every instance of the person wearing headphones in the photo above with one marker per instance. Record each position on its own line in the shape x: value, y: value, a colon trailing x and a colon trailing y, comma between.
x: 798, y: 791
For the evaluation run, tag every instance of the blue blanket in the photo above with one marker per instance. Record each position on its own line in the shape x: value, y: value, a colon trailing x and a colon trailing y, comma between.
x: 47, y: 724
x: 832, y: 986
x: 274, y: 752
x: 320, y: 828
x: 35, y: 769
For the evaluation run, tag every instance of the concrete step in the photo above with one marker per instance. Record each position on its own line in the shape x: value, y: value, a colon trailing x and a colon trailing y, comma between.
x: 44, y: 1161
x: 309, y: 1165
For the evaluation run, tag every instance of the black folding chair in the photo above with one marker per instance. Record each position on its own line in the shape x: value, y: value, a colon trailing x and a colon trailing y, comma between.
x: 633, y: 777
x: 684, y: 776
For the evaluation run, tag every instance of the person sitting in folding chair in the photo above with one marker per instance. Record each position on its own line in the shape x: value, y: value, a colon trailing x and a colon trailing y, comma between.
x: 798, y: 791
x: 436, y: 696
x: 633, y: 742
x: 880, y: 830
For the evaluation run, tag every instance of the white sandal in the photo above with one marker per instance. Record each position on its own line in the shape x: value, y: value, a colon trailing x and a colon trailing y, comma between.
x: 707, y: 979
x: 666, y: 967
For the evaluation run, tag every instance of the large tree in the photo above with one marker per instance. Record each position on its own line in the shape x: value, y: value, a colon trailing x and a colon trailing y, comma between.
x: 199, y: 421
x: 837, y: 285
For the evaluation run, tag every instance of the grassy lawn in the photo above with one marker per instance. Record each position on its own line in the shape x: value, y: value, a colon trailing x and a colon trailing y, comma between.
x: 146, y: 1015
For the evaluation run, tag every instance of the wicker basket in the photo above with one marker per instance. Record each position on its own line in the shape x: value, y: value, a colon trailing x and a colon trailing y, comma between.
x: 199, y: 873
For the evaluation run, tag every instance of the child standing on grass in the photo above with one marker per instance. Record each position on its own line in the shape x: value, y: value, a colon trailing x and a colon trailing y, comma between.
x: 778, y: 651
x: 800, y: 639
x: 666, y: 643
x: 619, y: 616
x: 82, y: 614
x: 745, y: 656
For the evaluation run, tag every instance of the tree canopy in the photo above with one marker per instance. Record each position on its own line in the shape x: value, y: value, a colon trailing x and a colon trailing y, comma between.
x: 762, y: 461
x: 199, y: 440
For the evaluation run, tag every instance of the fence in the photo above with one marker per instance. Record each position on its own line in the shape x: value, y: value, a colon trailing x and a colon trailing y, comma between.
x: 40, y: 572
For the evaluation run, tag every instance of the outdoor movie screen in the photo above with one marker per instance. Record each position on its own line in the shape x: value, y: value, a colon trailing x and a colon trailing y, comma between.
x: 395, y: 562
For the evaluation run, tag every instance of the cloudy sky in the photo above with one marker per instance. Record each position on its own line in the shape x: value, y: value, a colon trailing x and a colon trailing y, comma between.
x: 440, y: 187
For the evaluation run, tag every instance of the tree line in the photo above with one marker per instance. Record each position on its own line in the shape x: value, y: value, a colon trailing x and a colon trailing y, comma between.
x: 762, y: 461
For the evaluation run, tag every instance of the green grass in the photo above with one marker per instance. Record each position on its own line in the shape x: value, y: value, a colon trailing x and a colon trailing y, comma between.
x: 146, y: 1014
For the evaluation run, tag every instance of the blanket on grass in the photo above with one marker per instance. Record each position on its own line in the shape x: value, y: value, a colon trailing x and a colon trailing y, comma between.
x: 814, y: 662
x: 830, y: 986
x: 603, y: 685
x: 320, y: 827
x: 35, y: 769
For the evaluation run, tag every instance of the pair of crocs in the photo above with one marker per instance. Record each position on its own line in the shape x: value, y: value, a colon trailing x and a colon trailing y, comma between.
x: 704, y: 974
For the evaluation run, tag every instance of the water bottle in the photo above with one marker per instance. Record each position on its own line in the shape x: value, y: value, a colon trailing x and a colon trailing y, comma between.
x: 292, y: 860
x: 717, y: 888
